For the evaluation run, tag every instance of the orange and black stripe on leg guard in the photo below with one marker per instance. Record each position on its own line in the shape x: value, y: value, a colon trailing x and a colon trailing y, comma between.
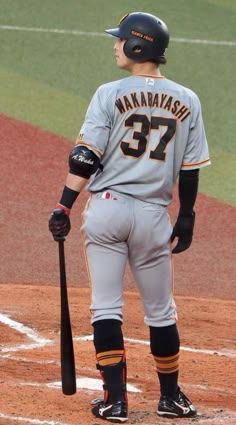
x: 111, y: 357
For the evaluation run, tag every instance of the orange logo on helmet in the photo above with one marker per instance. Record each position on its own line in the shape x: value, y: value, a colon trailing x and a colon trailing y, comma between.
x: 141, y: 35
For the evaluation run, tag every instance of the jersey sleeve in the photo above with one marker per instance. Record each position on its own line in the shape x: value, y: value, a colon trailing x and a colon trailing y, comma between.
x: 95, y: 130
x: 196, y: 154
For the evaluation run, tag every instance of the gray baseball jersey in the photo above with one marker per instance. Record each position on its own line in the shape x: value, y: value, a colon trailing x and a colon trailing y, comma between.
x: 145, y: 130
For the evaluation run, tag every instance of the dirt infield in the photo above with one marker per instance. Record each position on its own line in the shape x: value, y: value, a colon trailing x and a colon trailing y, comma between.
x: 33, y: 164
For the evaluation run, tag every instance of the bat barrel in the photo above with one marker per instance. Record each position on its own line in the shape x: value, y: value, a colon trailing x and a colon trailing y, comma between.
x: 68, y: 375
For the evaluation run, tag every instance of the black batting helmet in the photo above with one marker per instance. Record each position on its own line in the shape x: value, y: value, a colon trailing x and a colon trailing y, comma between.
x: 147, y: 37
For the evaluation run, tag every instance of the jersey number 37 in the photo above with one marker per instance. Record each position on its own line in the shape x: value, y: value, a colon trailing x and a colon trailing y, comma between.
x: 142, y: 136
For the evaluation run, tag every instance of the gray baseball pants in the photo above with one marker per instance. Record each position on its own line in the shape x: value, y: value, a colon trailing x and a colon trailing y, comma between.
x: 117, y: 229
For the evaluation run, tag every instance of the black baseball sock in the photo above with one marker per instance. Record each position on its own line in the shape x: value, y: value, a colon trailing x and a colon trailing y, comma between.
x: 164, y: 344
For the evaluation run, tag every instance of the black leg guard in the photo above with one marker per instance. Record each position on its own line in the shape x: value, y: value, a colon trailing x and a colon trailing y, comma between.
x: 114, y: 405
x: 114, y: 378
x: 108, y: 338
x: 109, y: 346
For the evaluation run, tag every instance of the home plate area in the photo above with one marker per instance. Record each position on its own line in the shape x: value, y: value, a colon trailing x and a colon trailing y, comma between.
x: 29, y: 361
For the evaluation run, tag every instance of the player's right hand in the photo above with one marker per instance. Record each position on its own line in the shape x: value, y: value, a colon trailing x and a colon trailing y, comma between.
x: 59, y: 224
x: 183, y: 230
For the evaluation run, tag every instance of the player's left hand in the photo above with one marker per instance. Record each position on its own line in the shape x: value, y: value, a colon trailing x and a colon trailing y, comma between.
x: 183, y: 230
x: 59, y: 224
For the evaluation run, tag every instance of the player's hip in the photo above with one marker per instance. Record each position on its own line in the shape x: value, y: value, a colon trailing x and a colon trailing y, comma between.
x: 112, y: 216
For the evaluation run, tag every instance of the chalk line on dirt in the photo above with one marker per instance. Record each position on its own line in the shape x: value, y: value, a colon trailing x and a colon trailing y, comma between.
x: 30, y: 420
x: 85, y: 383
x: 25, y: 330
x: 91, y: 384
x: 226, y: 353
x: 213, y: 417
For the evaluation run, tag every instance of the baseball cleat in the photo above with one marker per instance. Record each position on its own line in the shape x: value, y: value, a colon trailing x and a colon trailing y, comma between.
x: 180, y: 407
x: 114, y: 412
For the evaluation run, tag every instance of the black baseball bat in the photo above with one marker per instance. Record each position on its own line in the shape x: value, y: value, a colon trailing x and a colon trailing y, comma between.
x: 68, y: 375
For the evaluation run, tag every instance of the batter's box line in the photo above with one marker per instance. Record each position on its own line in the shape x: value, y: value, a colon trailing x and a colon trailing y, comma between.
x: 39, y: 342
x: 226, y: 353
x: 27, y: 360
x: 213, y: 418
x: 32, y: 421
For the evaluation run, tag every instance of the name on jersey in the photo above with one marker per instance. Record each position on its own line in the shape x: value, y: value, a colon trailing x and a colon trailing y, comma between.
x: 153, y: 100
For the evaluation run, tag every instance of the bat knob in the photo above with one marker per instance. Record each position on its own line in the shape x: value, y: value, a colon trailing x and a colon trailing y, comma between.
x: 59, y: 212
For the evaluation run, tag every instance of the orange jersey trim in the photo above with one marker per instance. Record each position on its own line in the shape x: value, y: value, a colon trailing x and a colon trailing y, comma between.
x: 161, y: 77
x: 196, y: 163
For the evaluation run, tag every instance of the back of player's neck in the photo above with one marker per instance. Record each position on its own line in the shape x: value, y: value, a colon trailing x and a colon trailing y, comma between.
x: 148, y: 69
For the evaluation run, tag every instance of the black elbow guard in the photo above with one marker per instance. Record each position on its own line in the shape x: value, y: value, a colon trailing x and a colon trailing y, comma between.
x: 83, y: 162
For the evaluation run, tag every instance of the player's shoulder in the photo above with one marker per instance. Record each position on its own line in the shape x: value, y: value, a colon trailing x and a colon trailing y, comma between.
x: 108, y: 92
x: 112, y: 86
x: 181, y: 90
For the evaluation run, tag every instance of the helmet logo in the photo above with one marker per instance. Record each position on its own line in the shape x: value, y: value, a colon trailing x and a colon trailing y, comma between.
x: 141, y: 35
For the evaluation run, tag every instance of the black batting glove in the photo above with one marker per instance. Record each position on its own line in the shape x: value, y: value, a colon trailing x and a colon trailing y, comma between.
x: 183, y: 230
x: 59, y: 224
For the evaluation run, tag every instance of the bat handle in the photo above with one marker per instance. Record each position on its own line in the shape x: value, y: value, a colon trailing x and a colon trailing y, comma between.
x: 62, y: 262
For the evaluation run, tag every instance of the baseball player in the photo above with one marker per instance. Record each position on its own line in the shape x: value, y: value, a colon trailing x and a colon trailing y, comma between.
x: 140, y: 135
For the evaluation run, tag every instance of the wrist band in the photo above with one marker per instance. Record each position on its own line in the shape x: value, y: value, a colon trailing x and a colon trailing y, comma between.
x: 62, y: 207
x: 68, y: 197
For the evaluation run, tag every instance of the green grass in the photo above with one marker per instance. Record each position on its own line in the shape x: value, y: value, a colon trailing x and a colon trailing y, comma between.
x: 47, y: 79
x: 41, y: 105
